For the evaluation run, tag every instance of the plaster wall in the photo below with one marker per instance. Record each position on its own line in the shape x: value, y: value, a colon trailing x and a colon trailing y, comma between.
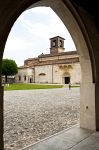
x: 75, y: 73
x: 47, y: 70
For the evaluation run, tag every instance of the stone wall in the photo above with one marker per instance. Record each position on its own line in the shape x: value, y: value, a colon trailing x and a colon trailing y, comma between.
x: 26, y: 75
x: 55, y: 74
x: 43, y: 74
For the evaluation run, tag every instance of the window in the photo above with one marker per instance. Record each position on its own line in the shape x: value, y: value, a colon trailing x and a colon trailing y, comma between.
x: 19, y: 78
x: 54, y: 43
x: 42, y: 74
x: 24, y: 78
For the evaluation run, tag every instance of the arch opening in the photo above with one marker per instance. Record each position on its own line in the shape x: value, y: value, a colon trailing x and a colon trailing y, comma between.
x: 69, y: 20
x: 42, y: 77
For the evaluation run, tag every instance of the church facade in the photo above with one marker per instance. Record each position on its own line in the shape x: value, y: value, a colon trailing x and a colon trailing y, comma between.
x: 58, y: 67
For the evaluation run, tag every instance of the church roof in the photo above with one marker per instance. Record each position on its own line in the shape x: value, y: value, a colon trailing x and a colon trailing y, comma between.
x: 23, y: 67
x: 70, y: 57
x: 56, y: 61
x: 58, y: 54
x: 52, y: 55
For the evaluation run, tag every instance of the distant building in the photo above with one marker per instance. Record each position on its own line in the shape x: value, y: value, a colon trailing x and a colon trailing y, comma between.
x: 10, y: 79
x: 58, y: 67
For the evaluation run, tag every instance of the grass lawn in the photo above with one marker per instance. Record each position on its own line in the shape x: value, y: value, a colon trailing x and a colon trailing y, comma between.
x: 30, y: 86
x: 75, y: 86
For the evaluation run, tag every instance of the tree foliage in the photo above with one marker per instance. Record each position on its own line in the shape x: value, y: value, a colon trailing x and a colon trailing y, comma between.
x: 9, y: 67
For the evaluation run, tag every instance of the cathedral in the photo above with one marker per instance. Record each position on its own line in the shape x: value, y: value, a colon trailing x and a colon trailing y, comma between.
x: 58, y: 67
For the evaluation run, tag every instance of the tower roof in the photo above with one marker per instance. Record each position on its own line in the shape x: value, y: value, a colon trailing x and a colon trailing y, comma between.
x: 57, y: 37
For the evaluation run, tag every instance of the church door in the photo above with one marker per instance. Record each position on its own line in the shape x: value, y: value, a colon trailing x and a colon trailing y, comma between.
x: 67, y: 80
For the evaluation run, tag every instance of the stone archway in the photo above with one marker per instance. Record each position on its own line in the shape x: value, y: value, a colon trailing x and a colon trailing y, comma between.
x: 73, y: 22
x: 76, y: 21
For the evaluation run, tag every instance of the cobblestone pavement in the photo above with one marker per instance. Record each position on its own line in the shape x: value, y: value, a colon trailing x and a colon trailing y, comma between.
x: 35, y: 114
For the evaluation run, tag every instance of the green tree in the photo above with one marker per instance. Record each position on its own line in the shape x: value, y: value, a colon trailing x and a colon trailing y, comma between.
x: 9, y: 68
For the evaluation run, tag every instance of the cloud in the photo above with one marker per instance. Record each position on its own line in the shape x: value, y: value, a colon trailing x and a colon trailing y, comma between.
x: 30, y: 34
x: 41, y: 11
x: 17, y: 43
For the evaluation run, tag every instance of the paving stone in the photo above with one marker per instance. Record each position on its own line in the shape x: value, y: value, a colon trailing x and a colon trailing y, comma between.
x: 32, y: 115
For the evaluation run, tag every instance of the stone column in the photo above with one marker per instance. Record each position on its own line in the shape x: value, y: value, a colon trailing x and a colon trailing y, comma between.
x: 87, y: 106
x: 87, y: 96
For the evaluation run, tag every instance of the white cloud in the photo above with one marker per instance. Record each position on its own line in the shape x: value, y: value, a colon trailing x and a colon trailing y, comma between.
x: 41, y: 11
x: 16, y: 43
x: 29, y: 37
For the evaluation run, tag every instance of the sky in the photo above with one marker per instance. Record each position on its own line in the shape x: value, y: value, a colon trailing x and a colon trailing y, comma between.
x: 30, y: 34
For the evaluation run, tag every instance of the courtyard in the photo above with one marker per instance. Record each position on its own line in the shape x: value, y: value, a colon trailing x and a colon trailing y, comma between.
x: 32, y: 115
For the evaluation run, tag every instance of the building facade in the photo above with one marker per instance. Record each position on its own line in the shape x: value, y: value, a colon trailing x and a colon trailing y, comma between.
x: 58, y: 67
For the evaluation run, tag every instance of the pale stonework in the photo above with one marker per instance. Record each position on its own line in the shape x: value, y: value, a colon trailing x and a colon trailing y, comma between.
x: 58, y: 67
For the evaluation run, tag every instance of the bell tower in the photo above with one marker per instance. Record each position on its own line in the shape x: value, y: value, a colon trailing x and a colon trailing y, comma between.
x: 56, y: 45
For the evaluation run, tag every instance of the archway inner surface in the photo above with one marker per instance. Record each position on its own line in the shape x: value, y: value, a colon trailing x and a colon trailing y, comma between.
x: 74, y: 23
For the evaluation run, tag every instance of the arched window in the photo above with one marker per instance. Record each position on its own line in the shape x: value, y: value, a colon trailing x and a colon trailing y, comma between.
x: 42, y: 74
x: 19, y: 78
x: 24, y: 78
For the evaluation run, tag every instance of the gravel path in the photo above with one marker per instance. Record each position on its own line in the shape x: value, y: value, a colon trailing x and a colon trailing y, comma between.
x: 35, y: 114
